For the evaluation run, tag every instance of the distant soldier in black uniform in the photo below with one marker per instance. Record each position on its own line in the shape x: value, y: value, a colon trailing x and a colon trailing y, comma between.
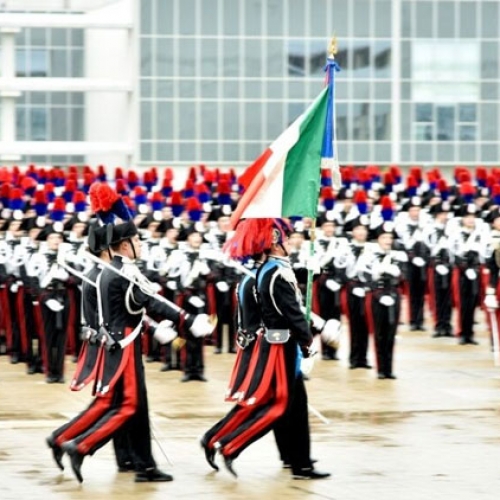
x: 194, y: 272
x: 410, y: 232
x: 469, y: 249
x: 356, y: 291
x: 384, y: 274
x: 440, y: 269
x: 53, y: 301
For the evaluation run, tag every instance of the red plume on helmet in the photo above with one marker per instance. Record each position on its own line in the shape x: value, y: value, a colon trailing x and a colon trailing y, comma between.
x: 254, y: 236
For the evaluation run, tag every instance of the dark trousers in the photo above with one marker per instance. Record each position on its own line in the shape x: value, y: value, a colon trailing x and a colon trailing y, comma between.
x: 417, y: 283
x: 469, y: 294
x: 194, y: 364
x: 385, y: 321
x: 442, y: 302
x: 33, y: 354
x: 15, y: 347
x: 55, y: 327
x: 358, y: 327
x: 225, y: 316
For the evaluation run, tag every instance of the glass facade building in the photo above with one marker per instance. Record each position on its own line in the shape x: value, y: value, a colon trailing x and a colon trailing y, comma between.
x: 50, y: 116
x: 221, y: 79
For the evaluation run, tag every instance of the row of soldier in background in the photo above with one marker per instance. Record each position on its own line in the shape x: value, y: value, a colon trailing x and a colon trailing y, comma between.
x: 434, y: 251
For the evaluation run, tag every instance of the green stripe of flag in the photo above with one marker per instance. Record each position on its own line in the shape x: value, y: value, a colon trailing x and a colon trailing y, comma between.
x: 301, y: 177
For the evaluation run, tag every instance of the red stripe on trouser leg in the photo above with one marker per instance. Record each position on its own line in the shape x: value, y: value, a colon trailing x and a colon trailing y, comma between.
x: 86, y: 419
x: 261, y: 396
x: 276, y: 410
x: 264, y: 388
x: 123, y: 412
x: 243, y: 388
x: 234, y: 373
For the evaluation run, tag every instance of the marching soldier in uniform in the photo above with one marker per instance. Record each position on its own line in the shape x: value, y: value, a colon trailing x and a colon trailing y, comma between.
x: 121, y: 390
x: 277, y: 387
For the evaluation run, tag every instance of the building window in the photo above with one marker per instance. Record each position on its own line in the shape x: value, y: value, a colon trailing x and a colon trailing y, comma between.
x: 445, y: 122
x: 50, y: 116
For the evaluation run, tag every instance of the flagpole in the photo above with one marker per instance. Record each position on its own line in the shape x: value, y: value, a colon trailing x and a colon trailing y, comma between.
x: 329, y: 156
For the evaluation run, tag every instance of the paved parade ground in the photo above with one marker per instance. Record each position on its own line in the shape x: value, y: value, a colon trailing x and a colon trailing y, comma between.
x: 434, y: 433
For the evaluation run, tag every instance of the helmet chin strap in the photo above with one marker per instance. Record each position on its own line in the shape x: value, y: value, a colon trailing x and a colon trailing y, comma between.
x: 133, y: 248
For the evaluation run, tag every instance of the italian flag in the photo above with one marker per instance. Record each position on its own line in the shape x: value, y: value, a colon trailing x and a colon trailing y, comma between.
x: 285, y: 180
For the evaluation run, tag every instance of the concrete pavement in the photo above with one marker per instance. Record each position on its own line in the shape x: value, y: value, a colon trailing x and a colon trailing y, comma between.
x: 432, y: 433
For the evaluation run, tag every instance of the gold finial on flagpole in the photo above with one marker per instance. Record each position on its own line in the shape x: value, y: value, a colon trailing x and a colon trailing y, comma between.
x: 332, y: 48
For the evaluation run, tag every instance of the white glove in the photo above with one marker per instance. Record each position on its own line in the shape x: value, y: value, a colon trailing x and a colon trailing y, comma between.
x: 393, y: 270
x: 196, y: 302
x: 307, y: 364
x: 387, y: 300
x: 331, y: 333
x: 165, y: 332
x: 491, y: 302
x: 313, y: 265
x: 172, y: 285
x: 471, y: 274
x: 222, y: 286
x: 332, y: 285
x: 475, y: 247
x: 202, y: 326
x: 318, y: 322
x: 54, y: 305
x: 418, y: 261
x: 14, y: 287
x: 359, y: 291
x: 442, y: 270
x: 60, y: 274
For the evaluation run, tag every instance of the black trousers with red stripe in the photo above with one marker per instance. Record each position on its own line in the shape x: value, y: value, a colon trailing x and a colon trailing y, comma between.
x: 122, y: 413
x: 245, y: 424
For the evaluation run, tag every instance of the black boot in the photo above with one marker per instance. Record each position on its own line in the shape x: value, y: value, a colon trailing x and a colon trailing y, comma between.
x: 309, y: 473
x: 57, y: 452
x: 152, y: 476
x: 228, y: 462
x: 76, y: 458
x: 209, y: 454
